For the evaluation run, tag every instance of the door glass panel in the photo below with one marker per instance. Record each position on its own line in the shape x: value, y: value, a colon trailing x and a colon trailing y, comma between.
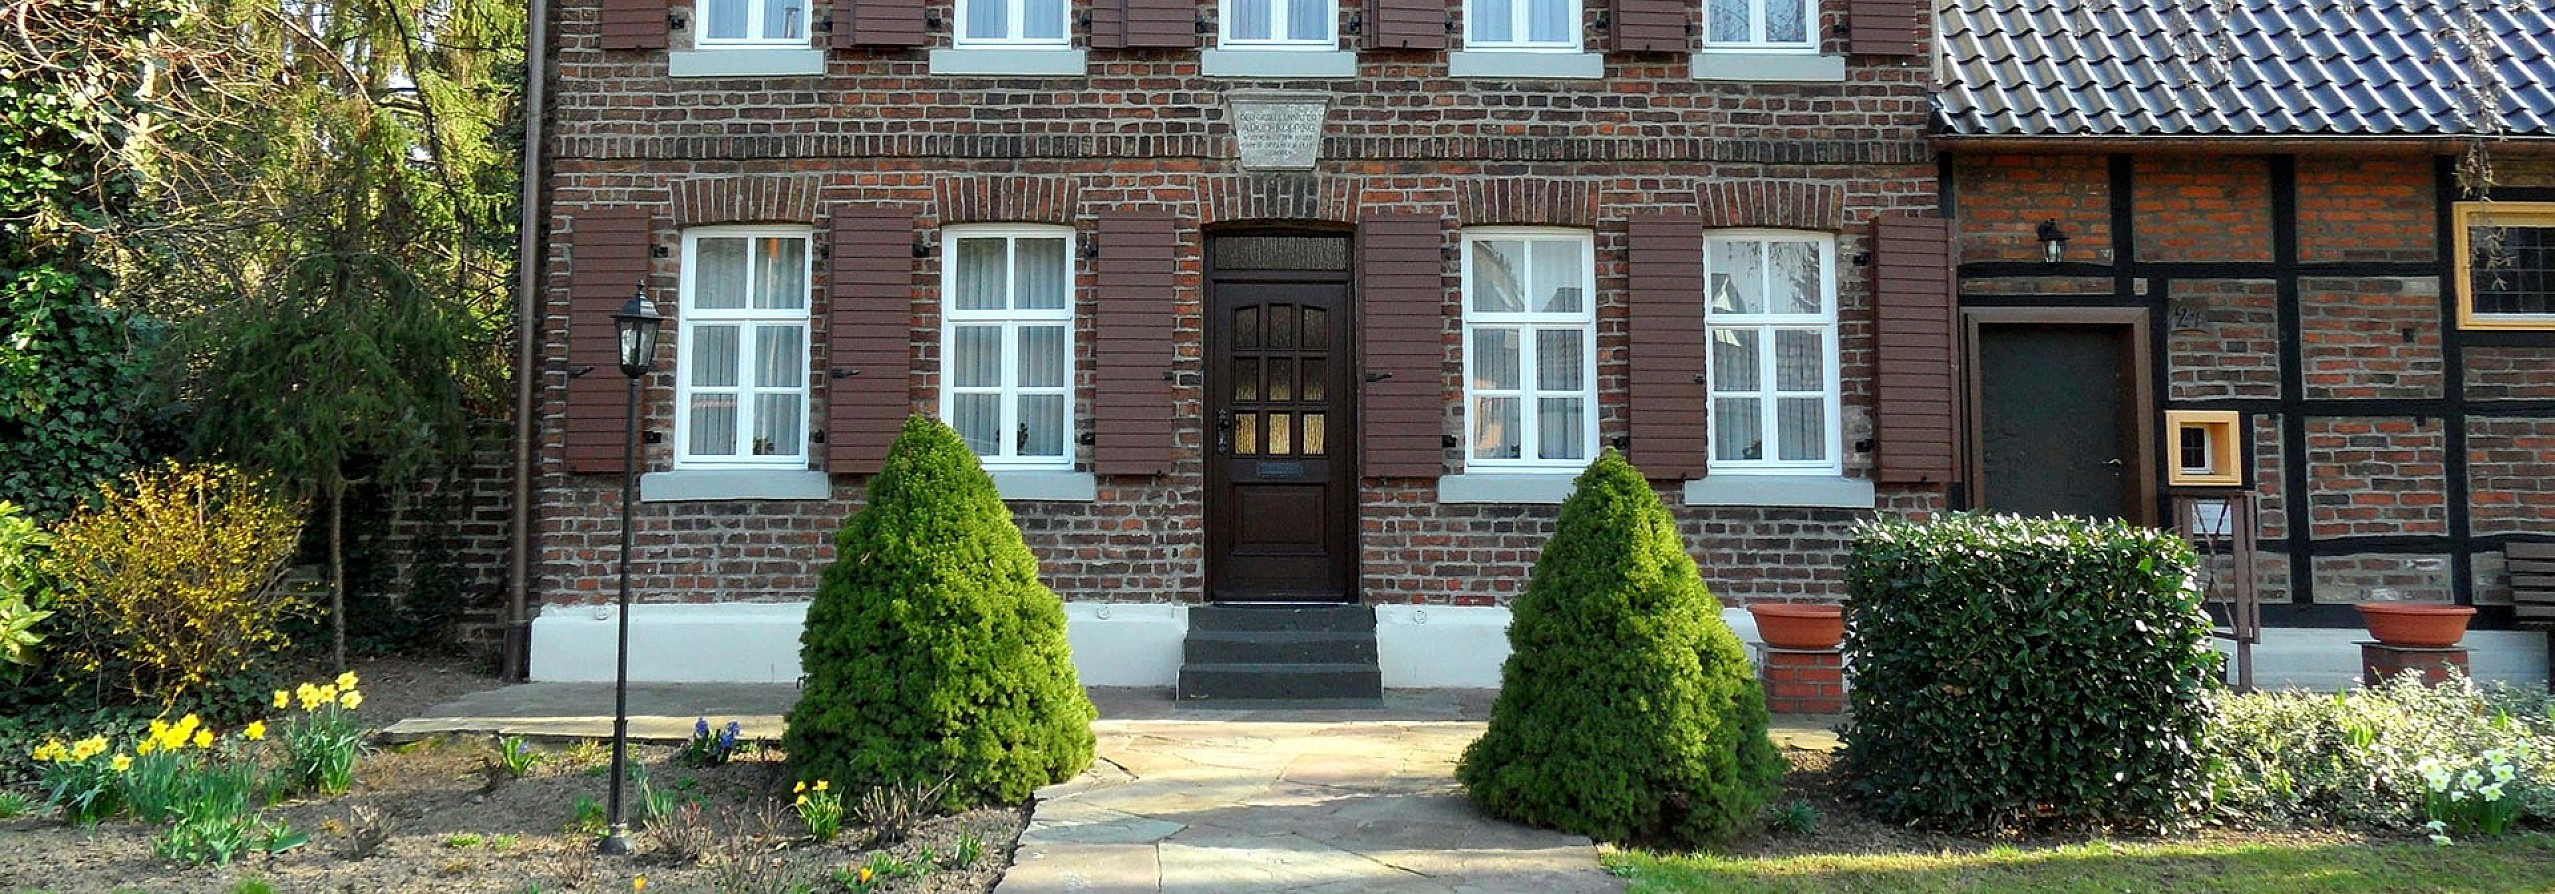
x: 1312, y: 434
x: 1042, y: 356
x: 1312, y: 372
x: 1281, y: 434
x: 1558, y: 359
x: 1737, y: 432
x: 1496, y: 428
x: 1281, y: 378
x: 1317, y: 329
x: 978, y: 419
x: 1281, y: 326
x: 1557, y: 427
x: 1246, y: 328
x: 1495, y: 359
x: 1246, y: 378
x: 1246, y: 434
x: 714, y: 356
x: 1734, y: 360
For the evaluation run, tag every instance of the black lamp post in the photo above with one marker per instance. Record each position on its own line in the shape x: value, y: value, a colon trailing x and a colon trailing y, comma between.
x: 637, y: 324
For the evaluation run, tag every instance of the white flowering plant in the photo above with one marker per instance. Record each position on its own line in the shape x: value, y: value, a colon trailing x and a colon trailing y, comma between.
x: 2479, y: 796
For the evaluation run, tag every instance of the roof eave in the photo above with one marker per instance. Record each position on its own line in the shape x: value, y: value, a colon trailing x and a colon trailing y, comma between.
x: 2428, y: 144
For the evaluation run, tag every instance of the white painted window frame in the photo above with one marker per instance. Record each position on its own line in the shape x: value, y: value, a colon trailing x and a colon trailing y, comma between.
x: 1530, y: 440
x: 1757, y: 42
x: 1766, y: 324
x: 1520, y: 17
x: 754, y: 22
x: 1014, y: 25
x: 1007, y: 455
x: 748, y: 320
x: 1279, y: 10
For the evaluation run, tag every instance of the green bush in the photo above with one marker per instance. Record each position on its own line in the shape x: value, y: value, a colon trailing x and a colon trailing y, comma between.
x: 2013, y: 671
x: 2357, y: 758
x: 1627, y: 711
x: 932, y: 650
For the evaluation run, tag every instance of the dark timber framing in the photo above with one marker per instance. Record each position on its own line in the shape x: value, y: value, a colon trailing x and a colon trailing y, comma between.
x: 2140, y: 285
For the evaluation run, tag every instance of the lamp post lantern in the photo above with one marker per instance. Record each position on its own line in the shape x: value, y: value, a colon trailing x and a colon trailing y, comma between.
x: 636, y: 324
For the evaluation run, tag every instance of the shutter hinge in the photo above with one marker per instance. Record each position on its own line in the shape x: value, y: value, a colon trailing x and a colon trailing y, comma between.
x: 1205, y: 25
x: 677, y: 21
x: 822, y: 26
x: 816, y: 437
x: 923, y: 248
x: 1602, y: 23
x: 660, y: 251
x: 1356, y: 23
x: 932, y: 21
x: 1454, y: 23
x: 842, y: 372
x: 1088, y: 438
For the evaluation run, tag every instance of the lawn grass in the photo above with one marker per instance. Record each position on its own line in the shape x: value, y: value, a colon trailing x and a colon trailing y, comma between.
x: 2510, y: 865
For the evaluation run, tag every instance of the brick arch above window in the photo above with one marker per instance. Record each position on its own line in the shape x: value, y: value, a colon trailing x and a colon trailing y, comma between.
x: 1277, y: 197
x: 1005, y: 199
x: 1772, y: 204
x: 746, y: 199
x: 1526, y: 201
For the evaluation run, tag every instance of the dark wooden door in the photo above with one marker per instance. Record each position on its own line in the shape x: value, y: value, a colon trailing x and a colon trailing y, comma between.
x: 2057, y: 420
x: 1281, y: 457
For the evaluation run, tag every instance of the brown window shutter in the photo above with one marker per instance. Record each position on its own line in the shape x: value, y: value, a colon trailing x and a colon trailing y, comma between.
x: 878, y: 23
x: 1401, y: 284
x: 1670, y: 437
x: 607, y: 261
x: 1406, y: 25
x: 634, y: 25
x: 1133, y: 344
x: 1886, y: 27
x: 869, y: 345
x: 1652, y: 26
x: 1163, y: 24
x: 1914, y: 347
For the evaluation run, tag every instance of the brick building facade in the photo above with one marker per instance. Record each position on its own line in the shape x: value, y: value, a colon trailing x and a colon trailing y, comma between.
x: 893, y: 162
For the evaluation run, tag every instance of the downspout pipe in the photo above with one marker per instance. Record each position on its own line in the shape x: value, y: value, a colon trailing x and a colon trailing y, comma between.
x: 517, y: 661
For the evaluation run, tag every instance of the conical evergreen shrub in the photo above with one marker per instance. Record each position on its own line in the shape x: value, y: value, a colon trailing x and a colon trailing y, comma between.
x: 932, y: 650
x: 1627, y: 711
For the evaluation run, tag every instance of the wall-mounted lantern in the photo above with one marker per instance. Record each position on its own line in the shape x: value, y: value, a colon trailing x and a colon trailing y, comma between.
x: 2053, y: 241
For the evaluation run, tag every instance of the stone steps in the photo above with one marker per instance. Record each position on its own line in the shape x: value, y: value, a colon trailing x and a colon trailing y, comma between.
x: 1260, y: 655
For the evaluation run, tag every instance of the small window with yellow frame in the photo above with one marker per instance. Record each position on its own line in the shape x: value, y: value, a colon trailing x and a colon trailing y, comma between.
x: 2206, y: 449
x: 2505, y: 265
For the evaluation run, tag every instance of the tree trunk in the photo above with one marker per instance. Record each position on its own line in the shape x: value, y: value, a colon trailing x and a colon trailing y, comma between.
x: 337, y: 577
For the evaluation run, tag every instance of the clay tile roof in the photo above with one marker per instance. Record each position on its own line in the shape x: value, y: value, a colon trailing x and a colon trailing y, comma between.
x: 2232, y: 68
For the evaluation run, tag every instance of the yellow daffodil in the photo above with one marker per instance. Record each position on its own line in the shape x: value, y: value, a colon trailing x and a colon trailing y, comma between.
x: 255, y: 730
x: 145, y: 747
x: 802, y: 800
x: 121, y: 763
x: 802, y: 786
x: 346, y: 680
x: 203, y: 738
x: 820, y: 785
x: 351, y: 700
x: 88, y: 748
x: 866, y: 874
x: 280, y: 699
x: 636, y: 884
x: 50, y: 752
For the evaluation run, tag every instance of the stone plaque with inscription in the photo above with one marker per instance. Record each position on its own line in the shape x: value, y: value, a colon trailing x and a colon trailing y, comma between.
x: 1278, y: 130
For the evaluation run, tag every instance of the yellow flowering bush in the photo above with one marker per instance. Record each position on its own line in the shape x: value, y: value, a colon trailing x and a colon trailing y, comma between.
x: 172, y: 578
x: 184, y: 774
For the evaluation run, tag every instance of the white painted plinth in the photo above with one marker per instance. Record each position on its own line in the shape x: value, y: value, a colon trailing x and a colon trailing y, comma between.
x: 1113, y: 645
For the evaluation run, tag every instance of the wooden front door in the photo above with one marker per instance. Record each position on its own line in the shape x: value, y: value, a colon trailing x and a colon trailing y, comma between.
x: 2058, y: 429
x: 1281, y: 453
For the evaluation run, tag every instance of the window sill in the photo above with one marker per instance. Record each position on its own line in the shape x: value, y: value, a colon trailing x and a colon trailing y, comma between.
x: 1281, y: 64
x: 1507, y: 487
x: 1768, y: 68
x: 1815, y: 491
x: 734, y: 484
x: 745, y: 62
x: 1033, y: 63
x: 1524, y: 64
x: 1051, y: 487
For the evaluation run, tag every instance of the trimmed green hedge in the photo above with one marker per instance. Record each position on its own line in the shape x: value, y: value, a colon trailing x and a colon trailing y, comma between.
x: 2040, y: 671
x: 933, y: 651
x: 1627, y: 711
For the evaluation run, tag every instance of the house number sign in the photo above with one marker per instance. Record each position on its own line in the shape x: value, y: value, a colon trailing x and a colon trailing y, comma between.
x: 1277, y: 130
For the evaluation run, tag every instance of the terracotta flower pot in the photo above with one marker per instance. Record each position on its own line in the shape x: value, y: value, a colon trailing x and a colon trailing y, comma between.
x: 2416, y: 624
x: 1786, y: 625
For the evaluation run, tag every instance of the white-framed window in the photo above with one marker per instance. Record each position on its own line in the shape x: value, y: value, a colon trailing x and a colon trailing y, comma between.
x: 1012, y: 23
x: 1281, y: 24
x: 1761, y: 25
x: 1538, y: 25
x: 738, y: 23
x: 1770, y: 311
x: 1530, y: 358
x: 1006, y: 335
x: 741, y: 355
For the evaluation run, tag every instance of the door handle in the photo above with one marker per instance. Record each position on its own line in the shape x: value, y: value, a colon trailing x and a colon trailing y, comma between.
x: 1224, y: 432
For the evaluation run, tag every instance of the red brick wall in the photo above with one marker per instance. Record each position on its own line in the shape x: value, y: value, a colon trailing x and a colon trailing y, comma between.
x: 2377, y: 476
x: 2202, y: 207
x: 2004, y: 198
x: 2365, y: 208
x: 2510, y: 475
x: 1144, y: 129
x: 2370, y: 338
x: 2236, y: 352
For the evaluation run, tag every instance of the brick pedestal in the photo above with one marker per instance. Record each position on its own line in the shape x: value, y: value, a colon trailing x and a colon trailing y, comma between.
x: 1804, y: 681
x: 2379, y: 661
